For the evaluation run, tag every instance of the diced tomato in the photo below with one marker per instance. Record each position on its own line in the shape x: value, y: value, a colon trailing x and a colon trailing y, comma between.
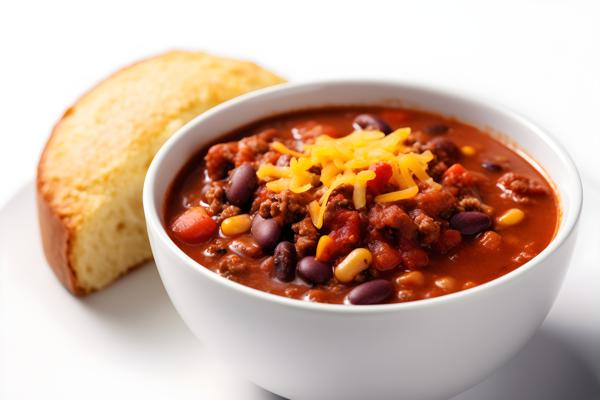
x: 448, y: 240
x: 415, y: 258
x: 455, y: 170
x: 345, y: 232
x: 385, y: 257
x: 383, y: 173
x: 194, y: 225
x: 457, y: 175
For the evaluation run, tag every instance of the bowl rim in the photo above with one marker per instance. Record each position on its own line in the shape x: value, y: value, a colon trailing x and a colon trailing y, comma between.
x: 564, y: 231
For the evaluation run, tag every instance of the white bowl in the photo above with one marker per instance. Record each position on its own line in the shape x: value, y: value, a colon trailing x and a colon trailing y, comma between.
x: 427, y: 349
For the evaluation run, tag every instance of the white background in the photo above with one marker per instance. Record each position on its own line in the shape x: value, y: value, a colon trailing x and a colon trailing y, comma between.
x: 541, y: 58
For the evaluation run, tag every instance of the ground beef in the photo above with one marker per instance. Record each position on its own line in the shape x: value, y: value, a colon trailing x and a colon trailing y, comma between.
x: 470, y: 203
x: 252, y: 146
x: 288, y: 206
x: 429, y: 228
x: 216, y: 247
x: 435, y: 202
x: 228, y: 211
x: 519, y: 187
x: 444, y: 149
x: 383, y: 216
x: 260, y: 196
x: 246, y: 246
x: 270, y: 157
x: 220, y: 159
x: 283, y: 160
x: 215, y: 197
x: 340, y: 199
x: 416, y: 141
x: 436, y: 169
x: 306, y: 237
x: 232, y: 264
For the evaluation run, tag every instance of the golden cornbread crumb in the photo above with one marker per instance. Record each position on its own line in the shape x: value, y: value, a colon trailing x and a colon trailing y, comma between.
x: 91, y: 172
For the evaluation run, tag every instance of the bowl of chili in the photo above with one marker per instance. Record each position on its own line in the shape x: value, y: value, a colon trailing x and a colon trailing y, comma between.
x: 355, y: 239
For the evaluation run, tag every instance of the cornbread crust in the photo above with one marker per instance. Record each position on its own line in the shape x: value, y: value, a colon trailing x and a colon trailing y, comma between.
x: 91, y: 171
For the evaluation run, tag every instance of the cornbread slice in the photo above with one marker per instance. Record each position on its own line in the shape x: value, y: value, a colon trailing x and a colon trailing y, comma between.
x: 91, y: 172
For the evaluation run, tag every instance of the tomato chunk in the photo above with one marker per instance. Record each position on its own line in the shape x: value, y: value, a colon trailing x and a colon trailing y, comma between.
x: 383, y: 173
x: 345, y: 233
x: 415, y: 258
x: 455, y: 170
x: 448, y: 240
x: 385, y: 257
x: 458, y: 176
x: 194, y: 225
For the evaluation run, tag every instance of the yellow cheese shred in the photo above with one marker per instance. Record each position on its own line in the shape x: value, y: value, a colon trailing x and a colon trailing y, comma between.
x: 280, y: 147
x: 397, y: 195
x: 346, y: 161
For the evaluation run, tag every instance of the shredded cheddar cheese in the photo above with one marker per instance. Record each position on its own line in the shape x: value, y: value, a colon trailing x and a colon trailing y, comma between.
x: 346, y: 161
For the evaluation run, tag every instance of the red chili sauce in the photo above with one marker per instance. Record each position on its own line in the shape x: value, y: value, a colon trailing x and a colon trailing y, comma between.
x: 456, y: 233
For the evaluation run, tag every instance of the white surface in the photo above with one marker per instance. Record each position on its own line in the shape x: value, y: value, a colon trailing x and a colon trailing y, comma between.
x: 129, y: 342
x: 538, y: 57
x: 378, y: 350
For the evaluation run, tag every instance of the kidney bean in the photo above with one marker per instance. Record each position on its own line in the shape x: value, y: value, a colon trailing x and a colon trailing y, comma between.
x: 372, y: 292
x: 369, y: 121
x: 242, y: 184
x: 266, y: 232
x: 470, y: 222
x: 284, y: 261
x: 437, y: 129
x: 445, y: 148
x: 314, y: 271
x: 491, y: 166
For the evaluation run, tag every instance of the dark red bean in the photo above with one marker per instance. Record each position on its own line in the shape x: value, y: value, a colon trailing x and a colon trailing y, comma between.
x: 470, y: 222
x: 372, y: 292
x: 266, y: 232
x: 314, y: 271
x: 242, y: 185
x: 437, y: 129
x: 445, y: 149
x: 369, y: 121
x: 284, y: 261
x: 492, y: 166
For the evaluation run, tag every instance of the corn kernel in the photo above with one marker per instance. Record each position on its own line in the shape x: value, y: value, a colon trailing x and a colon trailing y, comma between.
x: 411, y: 279
x: 469, y: 285
x: 357, y: 261
x: 446, y: 283
x: 322, y: 246
x: 511, y: 217
x: 235, y: 225
x: 405, y: 294
x: 468, y: 150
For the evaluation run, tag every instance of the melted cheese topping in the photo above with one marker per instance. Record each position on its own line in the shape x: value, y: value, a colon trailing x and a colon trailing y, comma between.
x: 346, y: 161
